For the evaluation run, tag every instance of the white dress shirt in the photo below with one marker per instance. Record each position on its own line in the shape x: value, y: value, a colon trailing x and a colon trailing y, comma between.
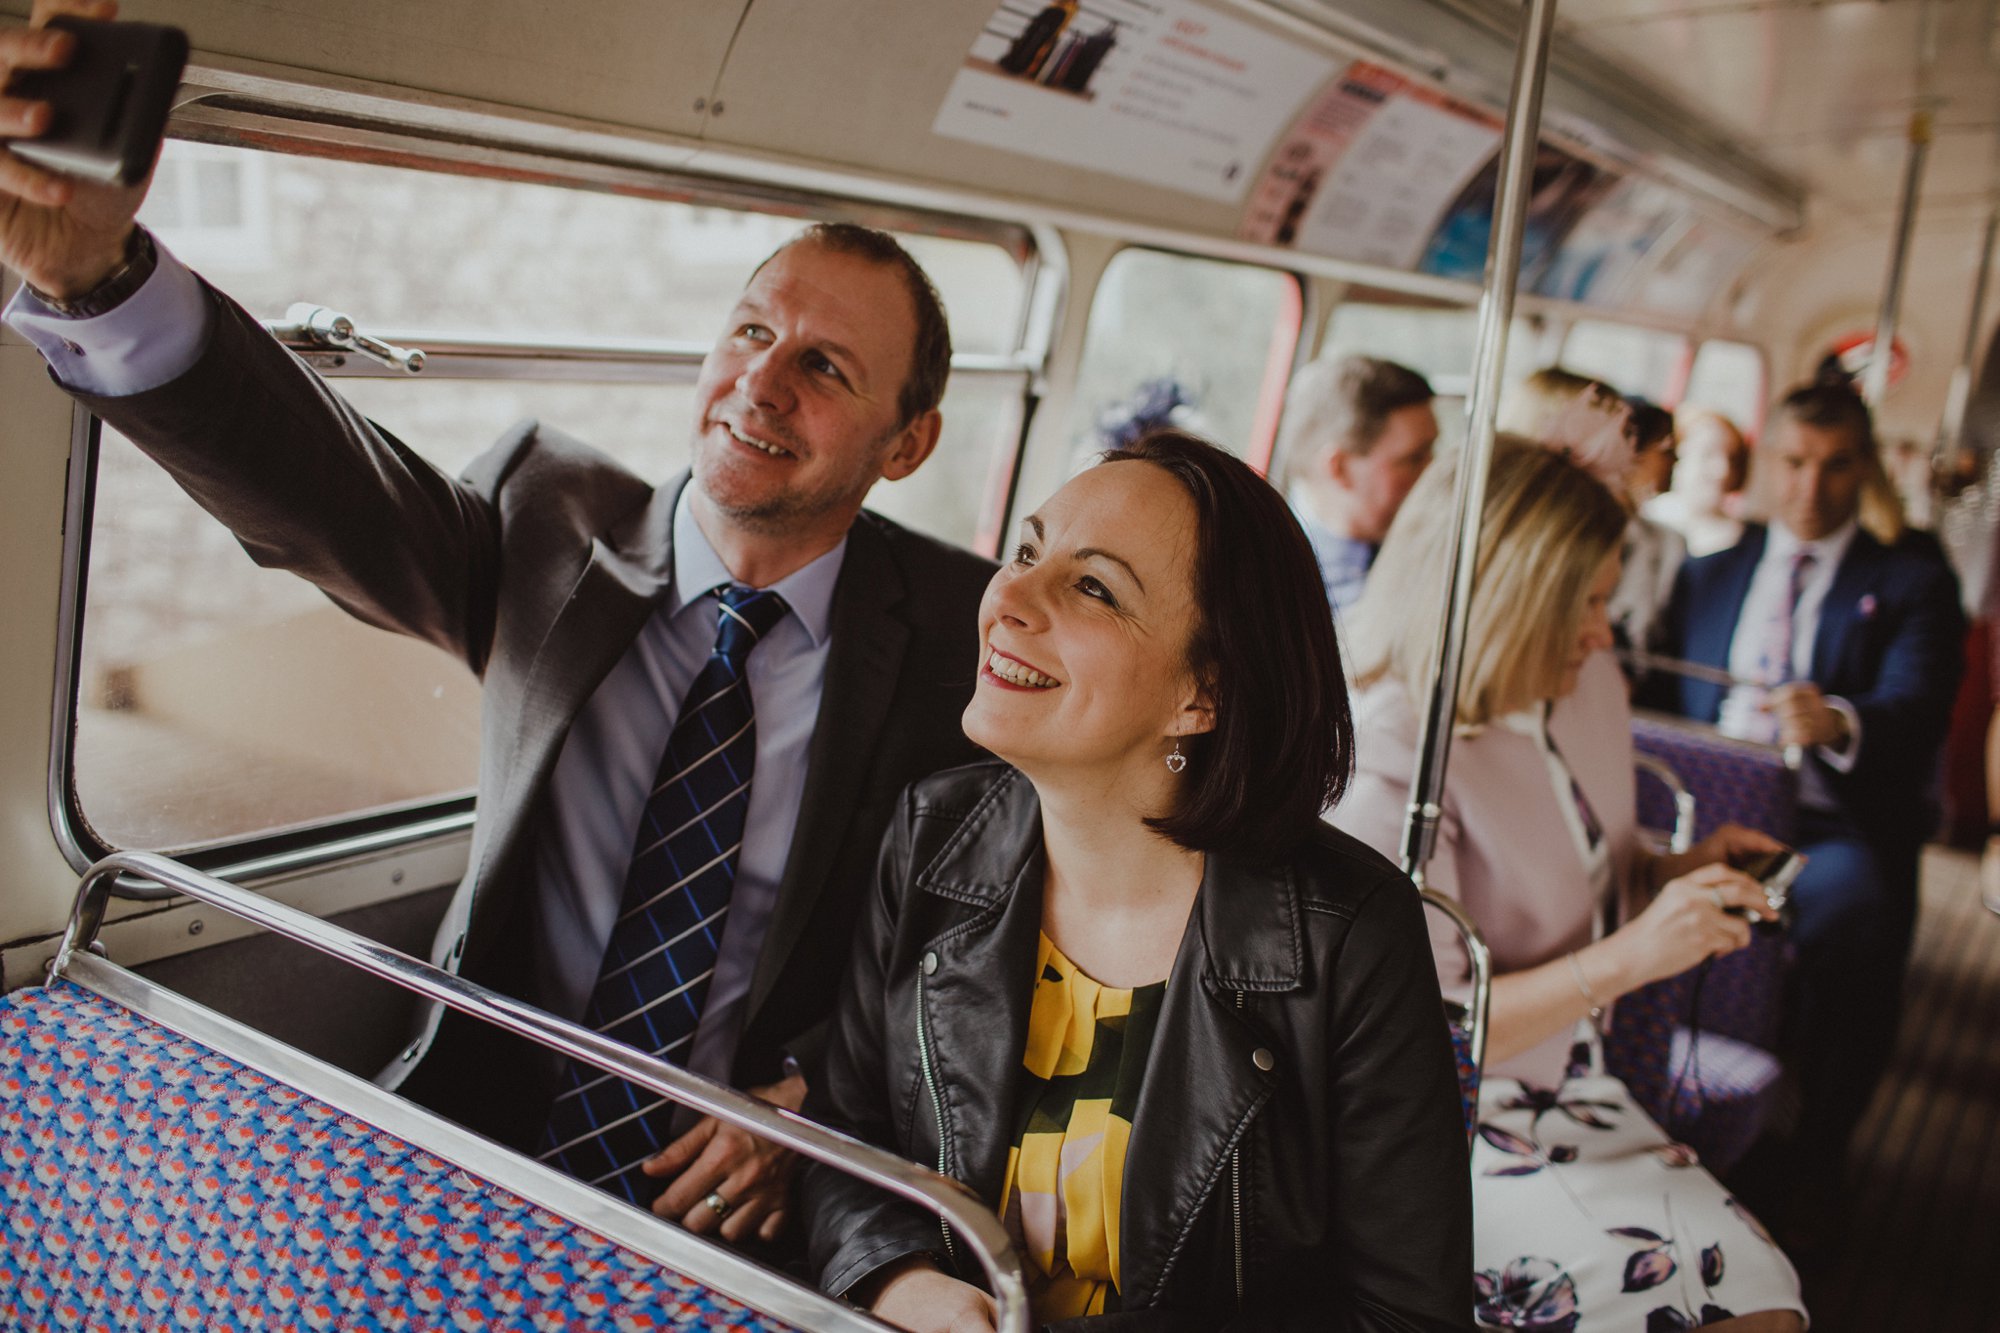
x: 612, y: 754
x: 609, y: 759
x: 1770, y: 585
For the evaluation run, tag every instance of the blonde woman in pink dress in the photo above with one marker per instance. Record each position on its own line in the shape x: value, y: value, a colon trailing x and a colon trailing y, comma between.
x: 1586, y: 1215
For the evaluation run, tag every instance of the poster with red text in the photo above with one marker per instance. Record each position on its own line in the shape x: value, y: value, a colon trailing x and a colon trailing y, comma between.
x: 1163, y: 91
x: 1368, y: 168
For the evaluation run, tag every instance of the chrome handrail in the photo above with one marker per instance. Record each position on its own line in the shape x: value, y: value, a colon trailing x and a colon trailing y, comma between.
x: 939, y: 1194
x: 1481, y: 959
x: 1682, y: 836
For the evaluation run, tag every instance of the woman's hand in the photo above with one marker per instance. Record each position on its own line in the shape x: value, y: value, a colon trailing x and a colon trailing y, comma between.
x: 1732, y: 844
x: 1688, y: 922
x: 917, y: 1297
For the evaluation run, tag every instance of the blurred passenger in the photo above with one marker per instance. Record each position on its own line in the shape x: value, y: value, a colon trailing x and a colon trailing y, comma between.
x: 1856, y: 648
x: 1651, y: 552
x: 1585, y: 420
x: 1710, y: 474
x: 1129, y: 960
x: 1538, y: 843
x: 1357, y: 434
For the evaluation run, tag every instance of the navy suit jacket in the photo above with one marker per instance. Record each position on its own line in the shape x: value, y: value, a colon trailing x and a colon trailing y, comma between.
x: 1891, y: 642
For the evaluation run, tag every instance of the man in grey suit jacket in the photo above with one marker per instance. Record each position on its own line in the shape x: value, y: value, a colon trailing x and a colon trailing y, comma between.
x: 552, y: 572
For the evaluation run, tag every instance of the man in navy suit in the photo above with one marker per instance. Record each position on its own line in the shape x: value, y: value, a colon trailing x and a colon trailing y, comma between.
x: 1859, y: 646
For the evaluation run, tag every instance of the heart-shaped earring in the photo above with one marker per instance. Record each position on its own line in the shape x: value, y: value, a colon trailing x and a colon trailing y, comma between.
x: 1176, y: 761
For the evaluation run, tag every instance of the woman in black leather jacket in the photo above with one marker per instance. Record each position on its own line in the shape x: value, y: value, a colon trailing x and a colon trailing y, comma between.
x: 1185, y: 1038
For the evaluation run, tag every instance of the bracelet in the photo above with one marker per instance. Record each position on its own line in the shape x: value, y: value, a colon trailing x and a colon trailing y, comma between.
x: 1583, y: 989
x: 141, y: 258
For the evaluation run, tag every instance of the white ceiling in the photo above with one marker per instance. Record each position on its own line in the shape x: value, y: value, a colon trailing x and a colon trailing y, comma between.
x: 1823, y: 90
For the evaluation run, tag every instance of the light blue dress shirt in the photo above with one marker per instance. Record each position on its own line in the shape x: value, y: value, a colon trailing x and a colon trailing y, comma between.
x: 608, y: 760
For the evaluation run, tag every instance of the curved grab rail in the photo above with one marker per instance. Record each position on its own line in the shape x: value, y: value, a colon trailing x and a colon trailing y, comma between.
x: 1682, y: 836
x: 939, y: 1194
x: 1480, y: 957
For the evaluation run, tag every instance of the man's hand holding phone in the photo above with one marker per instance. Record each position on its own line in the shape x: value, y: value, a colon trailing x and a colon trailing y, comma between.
x: 64, y: 235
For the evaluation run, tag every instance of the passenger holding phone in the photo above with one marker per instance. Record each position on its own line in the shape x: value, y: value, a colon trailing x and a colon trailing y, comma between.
x: 1538, y: 840
x: 601, y: 612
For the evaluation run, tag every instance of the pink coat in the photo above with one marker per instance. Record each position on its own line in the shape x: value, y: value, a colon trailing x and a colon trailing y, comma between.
x: 1504, y: 849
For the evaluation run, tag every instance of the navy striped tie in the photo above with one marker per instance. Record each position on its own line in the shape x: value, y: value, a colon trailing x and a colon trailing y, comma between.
x: 668, y: 934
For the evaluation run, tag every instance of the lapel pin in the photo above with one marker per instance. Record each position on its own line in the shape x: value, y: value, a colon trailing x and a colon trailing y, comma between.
x: 1867, y: 604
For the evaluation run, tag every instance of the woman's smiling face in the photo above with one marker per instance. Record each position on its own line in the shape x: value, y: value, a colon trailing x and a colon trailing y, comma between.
x: 1084, y: 631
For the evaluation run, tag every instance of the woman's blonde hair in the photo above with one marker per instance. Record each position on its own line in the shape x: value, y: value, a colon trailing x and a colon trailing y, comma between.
x: 1548, y: 528
x: 1530, y: 404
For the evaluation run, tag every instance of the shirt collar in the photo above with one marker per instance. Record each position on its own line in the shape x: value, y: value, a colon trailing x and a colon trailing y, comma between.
x: 808, y: 591
x: 1827, y: 551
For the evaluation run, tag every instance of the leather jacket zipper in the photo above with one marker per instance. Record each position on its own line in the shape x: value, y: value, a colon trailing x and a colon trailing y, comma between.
x: 1236, y: 1199
x: 937, y: 1112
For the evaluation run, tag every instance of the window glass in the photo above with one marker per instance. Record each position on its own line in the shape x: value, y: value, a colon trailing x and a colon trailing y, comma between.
x: 1637, y: 362
x: 217, y: 700
x: 1215, y: 338
x: 402, y: 248
x: 1728, y: 377
x: 1438, y: 342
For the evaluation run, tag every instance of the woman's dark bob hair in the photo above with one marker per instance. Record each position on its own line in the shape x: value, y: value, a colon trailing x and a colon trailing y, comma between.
x: 1263, y: 648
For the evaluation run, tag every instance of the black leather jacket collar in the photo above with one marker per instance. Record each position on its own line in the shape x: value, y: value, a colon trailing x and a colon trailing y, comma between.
x: 1252, y: 1151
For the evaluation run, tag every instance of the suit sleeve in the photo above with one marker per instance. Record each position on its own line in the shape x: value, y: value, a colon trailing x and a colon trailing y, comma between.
x: 852, y: 1228
x: 307, y: 484
x: 1401, y: 1221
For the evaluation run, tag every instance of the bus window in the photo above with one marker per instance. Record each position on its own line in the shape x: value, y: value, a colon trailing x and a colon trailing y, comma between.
x: 1728, y: 377
x: 1645, y: 363
x: 1435, y: 341
x: 217, y: 701
x: 1216, y: 337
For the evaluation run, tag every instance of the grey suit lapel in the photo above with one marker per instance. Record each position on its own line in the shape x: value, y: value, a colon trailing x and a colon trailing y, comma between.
x: 618, y: 590
x: 863, y: 663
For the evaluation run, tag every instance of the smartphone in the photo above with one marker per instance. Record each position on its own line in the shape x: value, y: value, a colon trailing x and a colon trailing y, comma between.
x: 1775, y: 871
x: 110, y: 101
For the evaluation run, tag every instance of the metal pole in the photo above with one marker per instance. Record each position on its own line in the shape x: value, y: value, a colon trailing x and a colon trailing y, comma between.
x: 1496, y: 314
x: 1875, y: 379
x: 1952, y: 424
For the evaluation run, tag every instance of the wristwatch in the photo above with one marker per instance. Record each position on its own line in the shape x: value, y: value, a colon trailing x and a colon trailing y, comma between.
x: 141, y: 258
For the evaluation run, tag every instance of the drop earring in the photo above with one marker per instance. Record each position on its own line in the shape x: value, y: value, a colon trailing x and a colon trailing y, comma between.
x: 1176, y: 761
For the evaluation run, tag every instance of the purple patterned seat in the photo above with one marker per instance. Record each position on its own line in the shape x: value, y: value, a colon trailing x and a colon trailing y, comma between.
x: 1716, y: 1101
x: 153, y: 1183
x: 1732, y: 781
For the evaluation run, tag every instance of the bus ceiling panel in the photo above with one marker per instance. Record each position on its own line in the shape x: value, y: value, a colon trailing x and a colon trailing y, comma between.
x: 1612, y: 104
x: 1185, y: 122
x: 647, y: 64
x: 1824, y: 92
x: 910, y: 91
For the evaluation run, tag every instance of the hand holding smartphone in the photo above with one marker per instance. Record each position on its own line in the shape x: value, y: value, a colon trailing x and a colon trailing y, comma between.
x: 109, y: 103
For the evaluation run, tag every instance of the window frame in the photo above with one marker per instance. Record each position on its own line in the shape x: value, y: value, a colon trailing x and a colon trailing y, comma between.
x: 237, y: 122
x: 1298, y: 303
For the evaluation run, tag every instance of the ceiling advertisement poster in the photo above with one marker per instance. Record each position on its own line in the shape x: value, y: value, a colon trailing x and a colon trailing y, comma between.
x: 1368, y: 168
x: 1605, y: 250
x: 1162, y: 91
x: 1562, y: 189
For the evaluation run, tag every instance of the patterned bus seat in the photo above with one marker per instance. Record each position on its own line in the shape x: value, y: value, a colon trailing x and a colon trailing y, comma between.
x: 153, y: 1183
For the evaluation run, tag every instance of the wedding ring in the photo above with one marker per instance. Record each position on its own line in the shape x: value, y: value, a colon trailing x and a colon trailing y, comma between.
x: 722, y: 1206
x: 1720, y: 904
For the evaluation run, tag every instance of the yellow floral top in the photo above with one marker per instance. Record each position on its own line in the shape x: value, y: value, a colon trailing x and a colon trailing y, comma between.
x: 1085, y: 1062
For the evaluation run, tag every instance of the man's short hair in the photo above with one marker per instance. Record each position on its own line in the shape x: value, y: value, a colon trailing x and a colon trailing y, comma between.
x: 1825, y: 406
x: 930, y: 349
x: 1345, y: 404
